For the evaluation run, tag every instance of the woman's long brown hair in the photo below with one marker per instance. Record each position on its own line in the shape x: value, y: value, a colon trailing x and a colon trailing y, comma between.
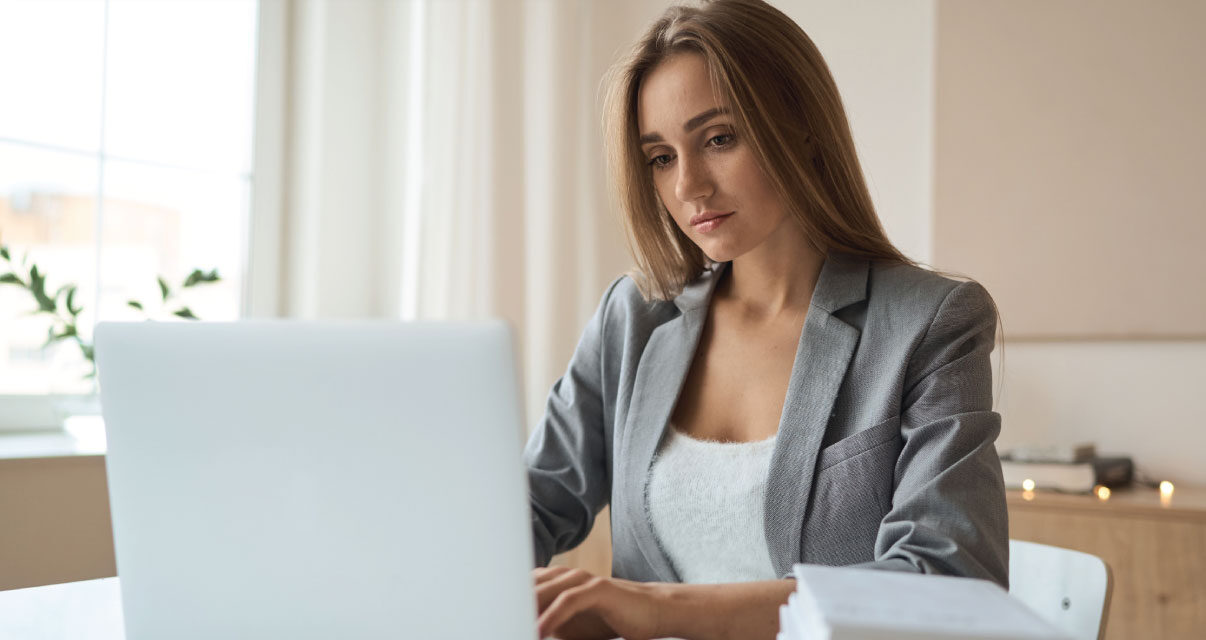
x: 786, y: 105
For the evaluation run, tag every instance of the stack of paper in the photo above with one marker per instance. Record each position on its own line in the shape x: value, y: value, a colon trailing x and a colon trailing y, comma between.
x: 833, y: 603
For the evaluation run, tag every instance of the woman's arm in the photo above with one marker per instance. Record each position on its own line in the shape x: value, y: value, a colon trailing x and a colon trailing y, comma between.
x: 725, y: 611
x: 569, y: 478
x: 948, y: 512
x: 575, y: 605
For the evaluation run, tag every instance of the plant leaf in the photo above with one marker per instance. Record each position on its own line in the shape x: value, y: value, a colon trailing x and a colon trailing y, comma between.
x: 37, y: 286
x: 163, y: 287
x: 186, y: 313
x: 69, y: 331
x: 71, y: 308
x: 201, y: 277
x: 136, y: 304
x: 46, y: 303
x: 193, y: 278
x: 11, y: 278
x: 4, y: 252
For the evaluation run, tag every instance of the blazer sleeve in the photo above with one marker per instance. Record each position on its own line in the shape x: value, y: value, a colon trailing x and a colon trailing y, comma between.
x: 948, y: 513
x: 569, y: 479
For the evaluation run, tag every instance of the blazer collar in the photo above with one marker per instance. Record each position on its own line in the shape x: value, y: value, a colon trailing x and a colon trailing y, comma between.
x: 698, y: 293
x: 822, y: 357
x: 823, y: 353
x: 843, y: 282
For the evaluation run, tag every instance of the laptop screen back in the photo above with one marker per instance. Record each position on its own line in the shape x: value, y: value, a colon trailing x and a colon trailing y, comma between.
x: 317, y: 480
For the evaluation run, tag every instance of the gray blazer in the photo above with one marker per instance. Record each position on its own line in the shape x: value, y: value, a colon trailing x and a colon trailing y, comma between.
x: 885, y: 453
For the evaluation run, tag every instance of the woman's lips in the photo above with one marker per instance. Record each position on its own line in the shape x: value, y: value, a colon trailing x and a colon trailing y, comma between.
x: 709, y: 221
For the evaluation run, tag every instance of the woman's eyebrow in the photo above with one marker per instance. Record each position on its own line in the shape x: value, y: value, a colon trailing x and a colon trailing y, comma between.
x: 699, y: 120
x: 692, y: 124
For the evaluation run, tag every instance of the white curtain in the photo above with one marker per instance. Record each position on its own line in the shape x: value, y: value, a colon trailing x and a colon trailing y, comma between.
x: 441, y: 159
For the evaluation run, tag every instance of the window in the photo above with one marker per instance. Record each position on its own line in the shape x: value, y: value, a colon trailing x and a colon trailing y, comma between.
x: 125, y: 154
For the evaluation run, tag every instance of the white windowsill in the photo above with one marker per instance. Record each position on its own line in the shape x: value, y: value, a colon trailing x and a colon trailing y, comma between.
x: 80, y: 437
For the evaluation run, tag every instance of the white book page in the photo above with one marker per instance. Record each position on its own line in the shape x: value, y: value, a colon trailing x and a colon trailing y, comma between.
x: 906, y: 603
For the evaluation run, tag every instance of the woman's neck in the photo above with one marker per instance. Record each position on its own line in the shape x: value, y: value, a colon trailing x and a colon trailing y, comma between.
x: 776, y: 279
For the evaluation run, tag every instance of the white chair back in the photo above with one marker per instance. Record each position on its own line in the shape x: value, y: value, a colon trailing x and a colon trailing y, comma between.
x: 1070, y: 589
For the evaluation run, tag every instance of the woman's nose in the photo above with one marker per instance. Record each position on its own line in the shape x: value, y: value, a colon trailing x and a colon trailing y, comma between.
x: 694, y: 180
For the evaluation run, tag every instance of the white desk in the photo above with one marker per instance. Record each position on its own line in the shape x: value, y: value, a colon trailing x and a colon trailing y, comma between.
x: 86, y: 610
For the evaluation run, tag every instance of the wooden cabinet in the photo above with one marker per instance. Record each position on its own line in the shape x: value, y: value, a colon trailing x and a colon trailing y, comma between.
x: 1157, y: 552
x: 54, y: 521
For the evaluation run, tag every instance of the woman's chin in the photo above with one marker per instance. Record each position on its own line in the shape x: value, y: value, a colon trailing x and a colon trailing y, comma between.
x: 720, y: 252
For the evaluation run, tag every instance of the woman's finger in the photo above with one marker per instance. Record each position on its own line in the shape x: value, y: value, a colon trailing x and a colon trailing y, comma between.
x: 545, y: 574
x: 569, y: 603
x: 547, y: 591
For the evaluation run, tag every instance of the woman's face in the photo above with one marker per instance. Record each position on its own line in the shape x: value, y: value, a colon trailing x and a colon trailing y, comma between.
x: 706, y: 176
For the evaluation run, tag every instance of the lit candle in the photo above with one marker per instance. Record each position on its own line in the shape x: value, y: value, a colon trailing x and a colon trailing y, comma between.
x: 1028, y: 485
x: 1103, y: 493
x: 1166, y: 493
x: 1028, y: 496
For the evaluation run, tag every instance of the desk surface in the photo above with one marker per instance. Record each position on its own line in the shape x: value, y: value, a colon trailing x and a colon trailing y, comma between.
x: 87, y: 610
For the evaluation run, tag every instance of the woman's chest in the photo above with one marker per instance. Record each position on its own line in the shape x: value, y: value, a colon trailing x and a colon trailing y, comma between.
x: 736, y: 385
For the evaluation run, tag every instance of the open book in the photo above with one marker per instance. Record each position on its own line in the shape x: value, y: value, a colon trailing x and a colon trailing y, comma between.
x: 832, y: 603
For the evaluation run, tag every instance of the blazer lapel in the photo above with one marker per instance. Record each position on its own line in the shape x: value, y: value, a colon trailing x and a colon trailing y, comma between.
x: 661, y: 373
x: 824, y: 351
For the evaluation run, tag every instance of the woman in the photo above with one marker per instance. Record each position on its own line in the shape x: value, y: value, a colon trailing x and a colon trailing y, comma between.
x: 779, y: 384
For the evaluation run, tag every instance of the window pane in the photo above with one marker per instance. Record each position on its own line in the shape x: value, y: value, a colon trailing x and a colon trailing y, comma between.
x: 181, y: 82
x: 167, y: 222
x: 50, y: 71
x: 47, y: 210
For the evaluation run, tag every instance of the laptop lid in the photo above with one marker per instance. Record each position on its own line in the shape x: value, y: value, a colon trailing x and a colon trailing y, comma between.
x: 275, y: 479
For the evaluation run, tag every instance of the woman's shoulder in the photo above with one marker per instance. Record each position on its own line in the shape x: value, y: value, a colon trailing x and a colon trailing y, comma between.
x: 909, y: 287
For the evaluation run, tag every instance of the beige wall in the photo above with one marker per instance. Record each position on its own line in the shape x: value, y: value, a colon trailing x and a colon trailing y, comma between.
x: 1069, y: 151
x: 1141, y: 399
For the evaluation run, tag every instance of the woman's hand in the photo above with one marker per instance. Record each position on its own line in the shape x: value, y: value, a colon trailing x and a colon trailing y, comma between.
x: 576, y: 605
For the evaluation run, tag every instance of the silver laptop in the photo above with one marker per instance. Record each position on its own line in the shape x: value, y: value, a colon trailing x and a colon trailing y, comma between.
x: 317, y: 480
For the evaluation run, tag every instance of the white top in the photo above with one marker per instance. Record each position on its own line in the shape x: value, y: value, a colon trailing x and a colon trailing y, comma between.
x: 706, y: 504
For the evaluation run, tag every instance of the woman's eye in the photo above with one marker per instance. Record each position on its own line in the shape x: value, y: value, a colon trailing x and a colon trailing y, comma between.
x: 722, y: 140
x: 659, y: 162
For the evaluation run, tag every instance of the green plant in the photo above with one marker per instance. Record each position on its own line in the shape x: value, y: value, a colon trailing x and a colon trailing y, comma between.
x: 61, y: 305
